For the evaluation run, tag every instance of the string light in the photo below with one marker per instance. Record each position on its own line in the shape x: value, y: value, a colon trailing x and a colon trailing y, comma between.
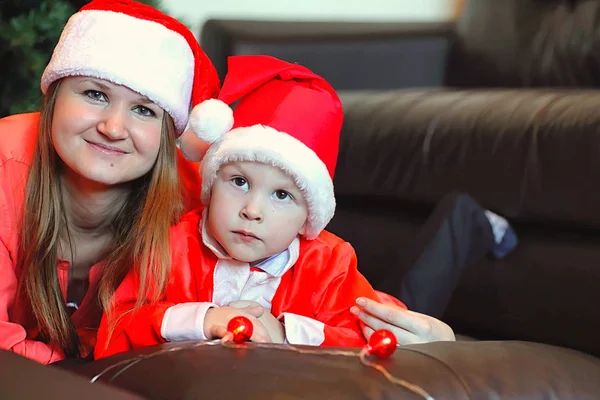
x: 382, y: 344
x: 241, y: 328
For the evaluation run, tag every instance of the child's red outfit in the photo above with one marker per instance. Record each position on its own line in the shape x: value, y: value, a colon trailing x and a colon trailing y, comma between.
x: 311, y: 287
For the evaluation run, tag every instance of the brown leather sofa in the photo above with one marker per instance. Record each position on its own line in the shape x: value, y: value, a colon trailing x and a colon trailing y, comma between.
x: 445, y: 371
x: 475, y: 124
x: 531, y: 155
x: 515, y: 125
x: 22, y: 379
x: 499, y: 104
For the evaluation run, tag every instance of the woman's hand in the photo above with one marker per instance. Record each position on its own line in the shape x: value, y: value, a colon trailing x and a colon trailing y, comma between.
x: 409, y: 327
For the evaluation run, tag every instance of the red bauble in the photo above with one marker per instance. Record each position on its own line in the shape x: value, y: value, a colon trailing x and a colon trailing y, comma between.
x: 242, y: 329
x: 382, y: 343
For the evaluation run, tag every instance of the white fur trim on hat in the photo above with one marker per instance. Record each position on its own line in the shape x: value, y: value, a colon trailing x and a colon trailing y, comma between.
x: 269, y: 146
x: 211, y: 119
x: 145, y: 56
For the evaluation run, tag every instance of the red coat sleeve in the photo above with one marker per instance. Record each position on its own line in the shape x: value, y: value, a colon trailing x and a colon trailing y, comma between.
x: 332, y: 323
x: 13, y: 174
x: 177, y: 315
x: 124, y: 328
x: 13, y: 335
x: 385, y: 298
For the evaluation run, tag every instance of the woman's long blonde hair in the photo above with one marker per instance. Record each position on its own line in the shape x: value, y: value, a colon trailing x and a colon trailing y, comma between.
x: 140, y: 232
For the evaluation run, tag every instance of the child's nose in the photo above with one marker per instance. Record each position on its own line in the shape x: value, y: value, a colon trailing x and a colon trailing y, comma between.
x: 252, y: 211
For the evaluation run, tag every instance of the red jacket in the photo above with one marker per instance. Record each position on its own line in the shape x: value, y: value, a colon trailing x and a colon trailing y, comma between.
x: 312, y: 291
x: 18, y: 330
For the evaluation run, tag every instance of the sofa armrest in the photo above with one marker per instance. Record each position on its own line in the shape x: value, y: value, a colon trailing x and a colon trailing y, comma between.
x: 445, y: 370
x: 21, y: 378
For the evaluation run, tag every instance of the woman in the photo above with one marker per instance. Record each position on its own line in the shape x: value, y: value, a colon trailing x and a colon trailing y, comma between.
x: 91, y: 184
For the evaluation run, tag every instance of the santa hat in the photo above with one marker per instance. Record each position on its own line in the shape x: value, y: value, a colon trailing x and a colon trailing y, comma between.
x: 286, y: 116
x: 137, y: 46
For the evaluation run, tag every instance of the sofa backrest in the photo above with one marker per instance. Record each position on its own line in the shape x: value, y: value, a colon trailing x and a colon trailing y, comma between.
x: 350, y: 55
x: 532, y: 155
x: 516, y: 43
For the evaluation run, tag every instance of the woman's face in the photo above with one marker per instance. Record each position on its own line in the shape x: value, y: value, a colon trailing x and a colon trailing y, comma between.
x: 103, y: 132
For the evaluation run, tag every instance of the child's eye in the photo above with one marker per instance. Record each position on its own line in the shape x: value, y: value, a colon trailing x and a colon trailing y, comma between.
x: 239, y: 181
x: 144, y: 111
x: 282, y: 195
x: 95, y: 95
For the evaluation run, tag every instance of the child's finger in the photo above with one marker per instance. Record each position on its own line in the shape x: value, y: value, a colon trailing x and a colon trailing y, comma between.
x: 255, y: 311
x: 260, y: 334
x: 227, y: 337
x: 218, y: 331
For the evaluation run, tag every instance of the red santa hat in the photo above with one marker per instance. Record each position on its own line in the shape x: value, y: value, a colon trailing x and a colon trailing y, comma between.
x: 286, y: 116
x: 135, y: 45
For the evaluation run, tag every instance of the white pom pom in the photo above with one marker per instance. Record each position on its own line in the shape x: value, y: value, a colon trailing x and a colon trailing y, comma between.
x: 211, y: 119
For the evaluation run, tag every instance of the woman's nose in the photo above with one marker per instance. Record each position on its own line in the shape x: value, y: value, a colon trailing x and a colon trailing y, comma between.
x: 113, y: 124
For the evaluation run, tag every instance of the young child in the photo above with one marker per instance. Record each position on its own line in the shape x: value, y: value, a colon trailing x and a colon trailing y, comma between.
x: 268, y: 191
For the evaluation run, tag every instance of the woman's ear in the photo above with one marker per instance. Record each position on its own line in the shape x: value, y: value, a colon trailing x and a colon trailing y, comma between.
x: 192, y: 148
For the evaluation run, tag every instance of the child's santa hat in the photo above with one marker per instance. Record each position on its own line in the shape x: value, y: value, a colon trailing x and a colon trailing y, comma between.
x: 137, y: 46
x: 286, y: 116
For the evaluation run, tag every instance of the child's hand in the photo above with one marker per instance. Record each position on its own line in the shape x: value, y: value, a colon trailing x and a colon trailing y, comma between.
x: 273, y: 327
x: 268, y: 320
x: 217, y: 318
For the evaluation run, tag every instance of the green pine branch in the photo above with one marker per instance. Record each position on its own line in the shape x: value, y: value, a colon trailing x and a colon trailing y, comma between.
x: 29, y: 30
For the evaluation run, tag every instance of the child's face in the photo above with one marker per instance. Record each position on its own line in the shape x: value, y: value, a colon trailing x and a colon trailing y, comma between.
x: 255, y: 210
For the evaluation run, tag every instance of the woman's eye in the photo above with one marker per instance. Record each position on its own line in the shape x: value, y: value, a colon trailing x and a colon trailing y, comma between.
x: 145, y: 111
x: 238, y: 181
x: 95, y: 95
x: 282, y: 195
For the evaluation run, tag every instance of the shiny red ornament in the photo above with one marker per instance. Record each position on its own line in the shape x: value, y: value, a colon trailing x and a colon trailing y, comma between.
x: 242, y: 329
x: 382, y: 343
